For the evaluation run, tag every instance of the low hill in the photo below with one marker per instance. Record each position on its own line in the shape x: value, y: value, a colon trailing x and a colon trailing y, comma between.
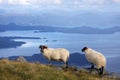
x: 13, y: 70
x: 77, y: 59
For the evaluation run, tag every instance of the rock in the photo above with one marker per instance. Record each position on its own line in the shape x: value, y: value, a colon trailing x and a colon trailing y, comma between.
x: 21, y: 59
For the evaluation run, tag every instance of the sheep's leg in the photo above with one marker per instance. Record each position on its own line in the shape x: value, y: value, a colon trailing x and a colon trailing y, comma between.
x: 66, y: 64
x: 100, y: 70
x: 92, y: 66
x: 49, y: 63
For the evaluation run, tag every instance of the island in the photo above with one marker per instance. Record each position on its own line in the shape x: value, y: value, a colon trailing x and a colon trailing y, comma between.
x: 9, y: 42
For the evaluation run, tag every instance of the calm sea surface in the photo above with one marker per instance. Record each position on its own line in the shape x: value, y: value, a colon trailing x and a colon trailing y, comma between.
x: 108, y: 44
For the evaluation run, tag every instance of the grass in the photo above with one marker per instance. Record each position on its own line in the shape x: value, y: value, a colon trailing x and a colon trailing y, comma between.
x: 12, y: 70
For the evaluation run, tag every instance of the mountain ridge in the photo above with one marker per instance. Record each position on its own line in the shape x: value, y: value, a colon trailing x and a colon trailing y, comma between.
x: 43, y: 28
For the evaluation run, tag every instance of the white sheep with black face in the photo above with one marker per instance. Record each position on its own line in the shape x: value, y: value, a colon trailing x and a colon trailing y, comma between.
x: 95, y: 58
x: 59, y: 54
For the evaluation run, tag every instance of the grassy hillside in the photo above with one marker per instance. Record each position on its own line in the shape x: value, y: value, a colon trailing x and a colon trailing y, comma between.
x: 12, y: 70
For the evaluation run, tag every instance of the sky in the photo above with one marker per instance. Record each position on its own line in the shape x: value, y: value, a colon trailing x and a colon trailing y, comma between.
x: 63, y: 5
x: 60, y: 12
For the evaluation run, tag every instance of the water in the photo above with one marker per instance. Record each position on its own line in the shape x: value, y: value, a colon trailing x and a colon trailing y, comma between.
x: 108, y: 44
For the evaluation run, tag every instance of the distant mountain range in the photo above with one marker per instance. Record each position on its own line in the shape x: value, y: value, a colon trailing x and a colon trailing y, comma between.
x: 41, y: 28
x: 75, y: 59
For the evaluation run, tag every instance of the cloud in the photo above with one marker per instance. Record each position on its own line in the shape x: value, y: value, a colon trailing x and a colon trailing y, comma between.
x: 14, y: 2
x: 62, y: 5
x: 1, y: 1
x: 22, y: 2
x: 83, y: 2
x: 66, y: 3
x: 33, y: 2
x: 91, y: 3
x: 57, y: 1
x: 117, y: 1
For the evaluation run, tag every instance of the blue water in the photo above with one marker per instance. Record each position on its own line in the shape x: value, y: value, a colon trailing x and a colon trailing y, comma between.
x: 108, y: 44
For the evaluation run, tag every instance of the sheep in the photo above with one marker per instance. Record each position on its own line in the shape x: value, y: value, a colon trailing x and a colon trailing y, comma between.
x: 59, y: 54
x: 95, y: 58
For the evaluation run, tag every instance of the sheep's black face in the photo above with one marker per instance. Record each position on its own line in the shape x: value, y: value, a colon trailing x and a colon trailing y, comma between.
x: 84, y: 49
x: 42, y: 47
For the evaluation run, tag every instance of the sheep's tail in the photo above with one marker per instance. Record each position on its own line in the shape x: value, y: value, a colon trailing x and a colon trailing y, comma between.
x: 104, y: 64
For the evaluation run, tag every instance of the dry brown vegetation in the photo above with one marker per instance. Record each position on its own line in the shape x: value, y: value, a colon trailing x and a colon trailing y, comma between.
x: 13, y: 70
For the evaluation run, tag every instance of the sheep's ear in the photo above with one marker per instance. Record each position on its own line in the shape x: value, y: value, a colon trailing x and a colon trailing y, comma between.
x: 45, y: 47
x: 84, y: 49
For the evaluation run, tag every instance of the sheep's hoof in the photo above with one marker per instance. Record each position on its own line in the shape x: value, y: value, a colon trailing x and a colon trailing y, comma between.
x: 50, y: 65
x: 66, y: 66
